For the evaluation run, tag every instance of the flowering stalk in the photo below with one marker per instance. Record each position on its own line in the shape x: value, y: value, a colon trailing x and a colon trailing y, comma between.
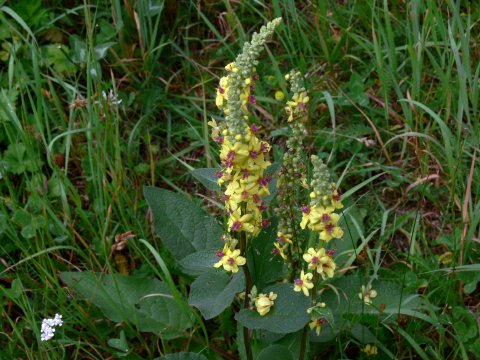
x: 244, y: 160
x: 292, y: 174
x: 319, y: 215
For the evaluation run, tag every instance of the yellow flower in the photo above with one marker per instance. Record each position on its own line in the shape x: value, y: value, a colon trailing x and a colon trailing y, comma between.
x: 230, y: 66
x: 367, y: 294
x: 304, y: 283
x: 284, y: 238
x: 445, y: 258
x: 336, y: 200
x: 263, y: 303
x: 370, y: 350
x: 330, y: 229
x: 230, y: 260
x: 279, y: 250
x: 316, y: 217
x: 317, y: 325
x: 222, y: 92
x: 321, y: 261
x: 279, y: 95
x: 298, y: 104
x: 238, y: 222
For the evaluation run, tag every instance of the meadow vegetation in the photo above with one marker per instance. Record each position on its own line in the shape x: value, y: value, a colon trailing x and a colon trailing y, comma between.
x: 102, y: 101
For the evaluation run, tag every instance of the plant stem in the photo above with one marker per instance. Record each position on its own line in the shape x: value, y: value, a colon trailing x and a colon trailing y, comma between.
x: 248, y: 281
x: 304, y: 341
x: 305, y: 328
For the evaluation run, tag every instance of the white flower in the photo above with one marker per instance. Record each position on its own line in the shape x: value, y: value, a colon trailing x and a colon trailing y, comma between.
x: 111, y: 97
x: 48, y: 327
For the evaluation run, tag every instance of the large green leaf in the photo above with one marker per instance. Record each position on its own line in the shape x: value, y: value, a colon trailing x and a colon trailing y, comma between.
x: 147, y: 303
x: 182, y: 356
x: 277, y: 352
x: 214, y: 291
x: 183, y: 226
x: 288, y: 314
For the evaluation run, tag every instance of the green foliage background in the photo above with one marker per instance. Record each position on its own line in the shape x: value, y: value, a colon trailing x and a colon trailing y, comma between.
x: 394, y: 90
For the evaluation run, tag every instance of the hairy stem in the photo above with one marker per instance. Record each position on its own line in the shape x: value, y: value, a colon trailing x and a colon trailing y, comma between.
x: 248, y: 281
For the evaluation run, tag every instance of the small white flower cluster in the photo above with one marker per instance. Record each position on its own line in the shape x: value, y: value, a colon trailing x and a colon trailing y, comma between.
x: 111, y: 98
x: 48, y: 327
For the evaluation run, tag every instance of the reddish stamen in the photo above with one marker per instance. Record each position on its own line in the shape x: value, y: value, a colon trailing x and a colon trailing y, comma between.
x: 325, y: 217
x: 329, y: 227
x: 331, y: 252
x: 236, y: 226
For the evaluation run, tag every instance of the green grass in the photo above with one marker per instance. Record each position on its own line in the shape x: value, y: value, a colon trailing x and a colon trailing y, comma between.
x: 403, y: 78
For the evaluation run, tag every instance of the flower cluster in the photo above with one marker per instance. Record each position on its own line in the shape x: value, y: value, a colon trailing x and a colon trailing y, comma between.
x: 48, y: 327
x: 243, y: 155
x: 243, y: 176
x: 297, y: 107
x: 320, y: 216
x: 320, y: 261
x: 367, y: 294
x: 370, y: 350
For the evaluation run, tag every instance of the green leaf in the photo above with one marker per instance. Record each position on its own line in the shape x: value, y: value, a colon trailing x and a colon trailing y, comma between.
x: 16, y: 289
x: 363, y: 334
x: 182, y: 356
x: 18, y: 161
x: 101, y: 49
x: 214, y: 291
x: 183, y: 226
x: 56, y: 56
x: 199, y: 262
x: 265, y: 267
x: 28, y: 231
x: 288, y: 314
x: 8, y: 99
x: 277, y: 352
x: 79, y: 50
x: 120, y: 343
x: 22, y: 218
x: 207, y: 177
x: 147, y: 303
x: 272, y: 171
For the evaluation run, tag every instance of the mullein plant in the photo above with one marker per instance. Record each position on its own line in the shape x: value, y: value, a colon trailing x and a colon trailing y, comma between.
x: 244, y: 159
x: 244, y: 184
